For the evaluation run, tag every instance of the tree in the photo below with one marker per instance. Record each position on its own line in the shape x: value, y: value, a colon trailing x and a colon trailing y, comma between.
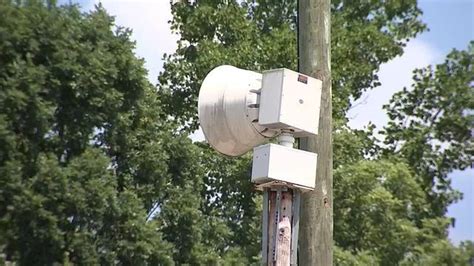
x: 85, y: 148
x: 431, y: 125
x: 259, y: 35
x: 383, y: 210
x: 96, y: 166
x: 428, y: 137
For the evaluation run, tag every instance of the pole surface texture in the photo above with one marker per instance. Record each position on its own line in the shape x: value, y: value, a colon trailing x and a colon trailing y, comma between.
x: 280, y: 223
x: 314, y: 49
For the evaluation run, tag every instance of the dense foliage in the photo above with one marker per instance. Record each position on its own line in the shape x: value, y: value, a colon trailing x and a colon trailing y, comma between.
x: 390, y: 198
x: 96, y: 166
x: 85, y: 153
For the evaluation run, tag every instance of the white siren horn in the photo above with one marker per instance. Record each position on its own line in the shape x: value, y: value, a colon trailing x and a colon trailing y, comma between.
x: 228, y: 109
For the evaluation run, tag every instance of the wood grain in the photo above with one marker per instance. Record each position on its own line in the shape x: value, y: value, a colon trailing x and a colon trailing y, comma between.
x: 314, y: 49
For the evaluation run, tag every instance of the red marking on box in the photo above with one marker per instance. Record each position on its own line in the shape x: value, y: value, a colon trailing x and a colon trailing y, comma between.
x: 303, y: 79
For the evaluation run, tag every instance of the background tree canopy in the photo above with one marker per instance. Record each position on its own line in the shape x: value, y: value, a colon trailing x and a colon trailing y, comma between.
x: 96, y: 166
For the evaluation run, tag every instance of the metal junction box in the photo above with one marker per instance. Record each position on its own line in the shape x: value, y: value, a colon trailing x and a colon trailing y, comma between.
x: 272, y: 162
x: 290, y: 100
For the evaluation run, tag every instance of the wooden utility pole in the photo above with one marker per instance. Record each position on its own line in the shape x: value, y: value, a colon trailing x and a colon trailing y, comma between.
x: 314, y: 50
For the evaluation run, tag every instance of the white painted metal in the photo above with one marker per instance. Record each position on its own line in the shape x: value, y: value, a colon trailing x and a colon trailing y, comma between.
x: 286, y: 139
x: 290, y: 100
x: 228, y: 110
x: 272, y: 162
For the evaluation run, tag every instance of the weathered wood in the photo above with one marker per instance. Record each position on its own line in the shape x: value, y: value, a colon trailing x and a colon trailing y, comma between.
x: 284, y: 242
x: 271, y: 226
x: 279, y: 228
x: 295, y: 221
x: 284, y: 230
x: 276, y: 222
x: 314, y: 49
x: 266, y: 194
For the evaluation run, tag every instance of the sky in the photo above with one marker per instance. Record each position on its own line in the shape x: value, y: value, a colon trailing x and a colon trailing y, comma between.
x: 451, y: 24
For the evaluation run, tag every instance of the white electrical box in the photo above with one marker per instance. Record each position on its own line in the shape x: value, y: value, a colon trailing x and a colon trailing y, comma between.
x: 272, y: 162
x: 290, y: 100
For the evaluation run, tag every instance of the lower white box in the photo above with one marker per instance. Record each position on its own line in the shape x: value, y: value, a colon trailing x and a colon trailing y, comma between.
x: 272, y: 162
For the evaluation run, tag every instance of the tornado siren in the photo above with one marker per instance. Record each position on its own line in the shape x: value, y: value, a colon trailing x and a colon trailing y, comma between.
x: 241, y: 109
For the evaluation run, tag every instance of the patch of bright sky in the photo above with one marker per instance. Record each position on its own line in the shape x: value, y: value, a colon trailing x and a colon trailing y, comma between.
x: 149, y: 21
x: 451, y: 24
